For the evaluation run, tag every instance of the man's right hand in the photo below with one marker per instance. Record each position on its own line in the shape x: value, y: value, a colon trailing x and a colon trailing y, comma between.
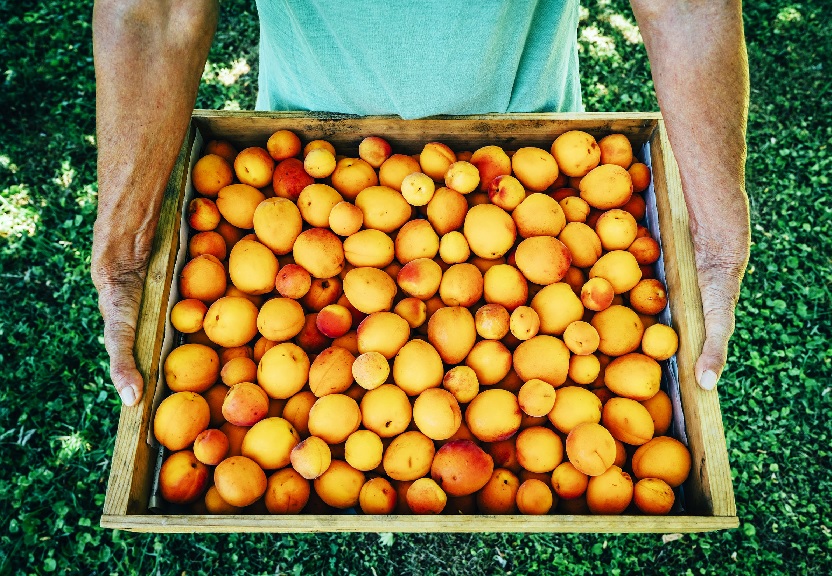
x: 149, y: 57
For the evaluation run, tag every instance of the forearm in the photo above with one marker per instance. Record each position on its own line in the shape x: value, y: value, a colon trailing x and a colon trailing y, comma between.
x: 149, y: 57
x: 700, y: 71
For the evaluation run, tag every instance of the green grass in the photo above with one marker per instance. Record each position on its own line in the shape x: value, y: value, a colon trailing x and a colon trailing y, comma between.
x: 58, y: 414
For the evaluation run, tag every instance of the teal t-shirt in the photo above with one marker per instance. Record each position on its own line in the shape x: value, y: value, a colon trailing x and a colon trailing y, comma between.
x: 418, y: 59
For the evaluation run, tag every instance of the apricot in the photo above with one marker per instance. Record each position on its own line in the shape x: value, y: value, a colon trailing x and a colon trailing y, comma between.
x: 524, y: 323
x: 191, y: 367
x: 352, y: 175
x: 424, y: 496
x: 435, y: 159
x: 345, y: 219
x: 576, y: 153
x: 462, y: 383
x: 583, y: 243
x: 506, y: 192
x: 462, y: 176
x: 627, y: 421
x: 319, y: 162
x: 491, y: 162
x: 543, y: 259
x: 648, y: 297
x: 245, y: 404
x: 290, y: 178
x: 254, y: 166
x: 584, y: 369
x: 499, y: 495
x: 534, y: 497
x: 334, y: 417
x: 413, y: 310
x: 239, y: 481
x: 296, y: 411
x: 645, y: 249
x: 203, y: 214
x: 340, y: 485
x: 269, y: 443
x: 636, y: 207
x: 182, y: 478
x: 322, y: 292
x: 202, y: 278
x: 363, y: 450
x: 492, y: 321
x: 538, y: 215
x: 557, y: 307
x: 597, y: 294
x: 640, y: 175
x: 277, y: 223
x: 394, y: 170
x: 616, y: 228
x: 187, y: 315
x: 369, y: 248
x: 575, y: 209
x: 489, y: 230
x: 607, y: 186
x: 252, y: 267
x: 610, y: 492
x: 505, y: 285
x: 374, y: 150
x: 491, y: 361
x: 331, y: 371
x: 287, y: 492
x: 453, y: 248
x: 221, y: 148
x: 214, y: 504
x: 493, y: 415
x: 452, y: 331
x: 662, y: 457
x: 535, y: 168
x: 369, y: 289
x: 460, y: 468
x: 179, y: 420
x: 653, y: 496
x: 616, y: 149
x: 581, y: 338
x: 661, y: 412
x: 334, y: 320
x: 383, y: 332
x: 417, y: 367
x: 310, y: 338
x: 316, y: 202
x: 461, y: 285
x: 620, y: 330
x: 280, y: 319
x: 348, y: 341
x: 536, y: 397
x: 386, y: 410
x: 409, y: 456
x: 237, y: 203
x: 590, y: 448
x: 377, y: 496
x: 416, y: 239
x: 235, y: 435
x: 210, y: 174
x: 209, y: 242
x: 214, y: 396
x: 568, y: 481
x: 320, y: 252
x: 446, y: 210
x: 283, y: 370
x: 311, y: 457
x: 283, y: 144
x: 418, y: 188
x: 539, y: 449
x: 634, y: 376
x: 574, y: 406
x: 542, y: 357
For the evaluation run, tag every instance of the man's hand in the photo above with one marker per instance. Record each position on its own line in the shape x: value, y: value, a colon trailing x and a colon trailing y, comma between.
x: 700, y: 70
x: 149, y: 57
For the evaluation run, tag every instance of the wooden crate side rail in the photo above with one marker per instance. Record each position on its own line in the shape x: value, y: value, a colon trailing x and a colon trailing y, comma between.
x: 395, y: 523
x: 712, y: 492
x: 132, y: 464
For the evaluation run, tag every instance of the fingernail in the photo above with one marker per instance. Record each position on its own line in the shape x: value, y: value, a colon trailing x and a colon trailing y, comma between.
x: 708, y: 380
x: 127, y: 395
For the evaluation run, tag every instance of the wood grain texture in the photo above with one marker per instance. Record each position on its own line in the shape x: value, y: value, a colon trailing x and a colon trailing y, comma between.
x: 460, y: 133
x: 395, y: 523
x: 709, y: 488
x: 132, y: 465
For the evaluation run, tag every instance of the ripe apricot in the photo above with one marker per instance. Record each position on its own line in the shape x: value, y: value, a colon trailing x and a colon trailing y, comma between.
x: 499, y: 495
x: 370, y: 370
x: 369, y: 289
x: 590, y: 448
x: 331, y: 371
x: 417, y: 367
x: 453, y: 248
x: 363, y: 450
x: 534, y: 497
x: 383, y: 332
x: 460, y: 467
x: 352, y: 175
x: 254, y: 166
x: 269, y: 443
x: 416, y: 239
x: 203, y: 214
x: 653, y: 496
x: 179, y: 420
x: 461, y: 381
x: 369, y: 248
x: 182, y: 478
x: 539, y: 449
x: 340, y: 485
x: 542, y: 357
x: 452, y: 331
x: 394, y: 170
x: 446, y: 210
x: 661, y: 411
x: 557, y: 306
x: 311, y: 457
x: 627, y: 421
x: 203, y: 278
x: 535, y: 168
x: 435, y: 159
x: 505, y: 285
x: 296, y: 411
x: 245, y: 404
x: 610, y: 492
x: 524, y: 323
x: 620, y: 330
x: 425, y: 496
x: 287, y: 492
x: 491, y: 361
x: 334, y: 417
x: 320, y: 252
x: 568, y: 481
x: 210, y: 174
x: 489, y: 230
x: 576, y: 153
x: 634, y: 376
x: 377, y: 496
x: 493, y: 415
x: 283, y: 370
x: 386, y: 410
x: 607, y: 186
x: 191, y: 367
x: 374, y: 150
x: 536, y: 397
x: 542, y: 259
x: 409, y: 456
x: 640, y: 175
x: 316, y: 202
x: 662, y: 457
x: 648, y: 296
x: 616, y: 149
x: 539, y: 215
x: 239, y: 481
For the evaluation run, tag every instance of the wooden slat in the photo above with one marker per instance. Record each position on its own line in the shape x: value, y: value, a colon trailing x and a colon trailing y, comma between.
x: 354, y: 523
x: 132, y: 465
x: 410, y: 136
x: 709, y: 488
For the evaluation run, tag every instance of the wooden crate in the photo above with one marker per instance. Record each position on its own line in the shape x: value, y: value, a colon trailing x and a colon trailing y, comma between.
x: 709, y: 497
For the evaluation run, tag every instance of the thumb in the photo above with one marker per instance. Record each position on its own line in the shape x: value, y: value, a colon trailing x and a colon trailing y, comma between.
x: 718, y: 308
x: 119, y: 337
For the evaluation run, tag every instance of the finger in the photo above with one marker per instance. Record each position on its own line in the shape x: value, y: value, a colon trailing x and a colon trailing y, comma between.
x: 119, y: 337
x: 719, y: 325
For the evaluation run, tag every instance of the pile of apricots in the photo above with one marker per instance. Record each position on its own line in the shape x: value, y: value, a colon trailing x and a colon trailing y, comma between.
x: 445, y: 332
